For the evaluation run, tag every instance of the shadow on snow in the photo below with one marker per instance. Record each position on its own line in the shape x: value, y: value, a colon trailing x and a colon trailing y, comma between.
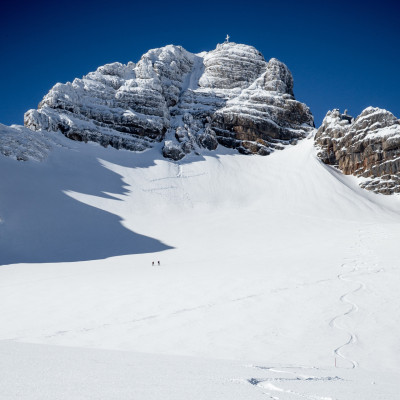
x: 39, y: 223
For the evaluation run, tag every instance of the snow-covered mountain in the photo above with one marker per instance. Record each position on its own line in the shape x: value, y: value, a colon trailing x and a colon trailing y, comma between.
x: 278, y: 275
x: 230, y: 95
x: 189, y: 102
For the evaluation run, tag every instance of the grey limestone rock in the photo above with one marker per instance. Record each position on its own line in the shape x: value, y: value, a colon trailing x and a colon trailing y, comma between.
x: 367, y: 147
x: 229, y: 96
x: 173, y: 151
x: 23, y: 144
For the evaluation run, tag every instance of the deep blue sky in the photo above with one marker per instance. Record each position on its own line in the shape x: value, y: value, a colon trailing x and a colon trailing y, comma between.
x: 342, y: 54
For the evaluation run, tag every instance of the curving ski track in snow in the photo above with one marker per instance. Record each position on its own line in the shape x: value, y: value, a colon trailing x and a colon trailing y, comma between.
x: 347, y: 277
x: 364, y: 262
x: 353, y: 309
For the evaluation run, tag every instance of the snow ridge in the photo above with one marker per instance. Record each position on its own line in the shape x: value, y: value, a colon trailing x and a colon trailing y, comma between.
x: 229, y: 96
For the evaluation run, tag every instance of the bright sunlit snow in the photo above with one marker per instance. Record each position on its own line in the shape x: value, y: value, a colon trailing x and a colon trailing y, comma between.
x: 272, y: 269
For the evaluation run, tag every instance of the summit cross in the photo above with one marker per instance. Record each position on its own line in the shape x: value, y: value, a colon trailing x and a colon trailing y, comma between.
x: 227, y: 39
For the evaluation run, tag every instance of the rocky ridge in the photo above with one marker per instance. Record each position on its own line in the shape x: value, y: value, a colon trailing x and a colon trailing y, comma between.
x: 367, y: 147
x: 23, y: 144
x: 229, y: 96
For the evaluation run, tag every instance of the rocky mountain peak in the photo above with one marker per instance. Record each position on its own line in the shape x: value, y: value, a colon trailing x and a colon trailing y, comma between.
x: 225, y: 66
x: 229, y: 96
x: 185, y: 103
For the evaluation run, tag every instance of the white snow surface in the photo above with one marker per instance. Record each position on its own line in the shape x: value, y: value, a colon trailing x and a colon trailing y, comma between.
x: 271, y: 268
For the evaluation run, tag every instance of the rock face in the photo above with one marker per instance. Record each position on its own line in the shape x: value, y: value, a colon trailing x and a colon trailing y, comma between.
x: 229, y: 96
x: 367, y: 147
x: 23, y: 144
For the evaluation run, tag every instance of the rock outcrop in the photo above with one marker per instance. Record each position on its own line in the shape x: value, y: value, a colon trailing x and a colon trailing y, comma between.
x: 367, y: 147
x: 23, y: 144
x: 229, y: 96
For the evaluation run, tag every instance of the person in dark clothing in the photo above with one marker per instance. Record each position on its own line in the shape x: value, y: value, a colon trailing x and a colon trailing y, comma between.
x: 159, y: 263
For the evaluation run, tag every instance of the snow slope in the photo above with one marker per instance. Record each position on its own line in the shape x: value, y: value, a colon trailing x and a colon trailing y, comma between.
x: 277, y: 265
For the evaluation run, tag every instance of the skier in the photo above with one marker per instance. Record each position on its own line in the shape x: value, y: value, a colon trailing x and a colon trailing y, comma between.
x: 152, y: 263
x: 159, y: 263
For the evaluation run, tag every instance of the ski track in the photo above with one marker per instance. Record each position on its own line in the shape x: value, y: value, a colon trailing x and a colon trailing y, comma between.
x: 274, y: 386
x: 362, y: 264
x: 271, y: 383
x: 353, y: 309
x: 363, y: 253
x: 176, y: 313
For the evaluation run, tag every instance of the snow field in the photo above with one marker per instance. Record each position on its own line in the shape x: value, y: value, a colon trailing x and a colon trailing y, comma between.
x: 273, y: 262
